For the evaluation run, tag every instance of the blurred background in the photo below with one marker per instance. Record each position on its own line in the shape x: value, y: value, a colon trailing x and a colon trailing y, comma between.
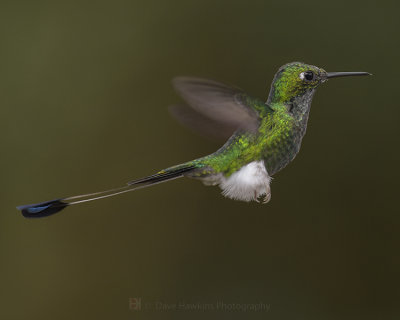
x: 85, y: 87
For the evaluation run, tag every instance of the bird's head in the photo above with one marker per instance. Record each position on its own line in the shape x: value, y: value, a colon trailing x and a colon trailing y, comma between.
x: 296, y: 79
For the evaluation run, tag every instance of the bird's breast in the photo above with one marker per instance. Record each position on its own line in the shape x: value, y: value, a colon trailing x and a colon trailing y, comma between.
x: 282, y: 148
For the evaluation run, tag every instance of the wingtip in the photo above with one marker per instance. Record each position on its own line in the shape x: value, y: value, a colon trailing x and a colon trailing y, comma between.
x: 178, y: 80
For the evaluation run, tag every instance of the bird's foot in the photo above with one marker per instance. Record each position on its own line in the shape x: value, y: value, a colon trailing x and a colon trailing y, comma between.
x: 263, y: 198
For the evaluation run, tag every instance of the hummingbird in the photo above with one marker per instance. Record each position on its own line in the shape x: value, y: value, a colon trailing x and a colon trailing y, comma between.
x: 263, y: 137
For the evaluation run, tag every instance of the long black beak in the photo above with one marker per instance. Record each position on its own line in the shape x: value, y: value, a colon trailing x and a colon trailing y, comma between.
x: 346, y: 74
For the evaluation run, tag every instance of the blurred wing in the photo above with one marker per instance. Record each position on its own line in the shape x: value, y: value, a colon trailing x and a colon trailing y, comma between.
x: 227, y: 106
x: 201, y: 124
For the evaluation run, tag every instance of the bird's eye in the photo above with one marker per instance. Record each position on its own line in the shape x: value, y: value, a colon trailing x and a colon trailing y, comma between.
x: 307, y: 76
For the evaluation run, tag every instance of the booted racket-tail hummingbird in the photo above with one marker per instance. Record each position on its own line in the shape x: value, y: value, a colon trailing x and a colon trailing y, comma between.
x: 263, y: 137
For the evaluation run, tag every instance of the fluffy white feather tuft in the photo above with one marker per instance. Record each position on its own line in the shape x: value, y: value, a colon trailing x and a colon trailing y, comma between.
x: 250, y: 183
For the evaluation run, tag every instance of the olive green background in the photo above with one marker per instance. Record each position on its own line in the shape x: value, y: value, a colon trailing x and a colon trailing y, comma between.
x: 83, y: 107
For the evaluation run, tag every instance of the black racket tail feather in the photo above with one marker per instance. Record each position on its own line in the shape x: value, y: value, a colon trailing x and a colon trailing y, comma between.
x: 42, y: 209
x: 48, y: 208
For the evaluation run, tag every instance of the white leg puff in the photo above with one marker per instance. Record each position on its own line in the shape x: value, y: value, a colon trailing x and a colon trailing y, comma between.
x: 251, y: 182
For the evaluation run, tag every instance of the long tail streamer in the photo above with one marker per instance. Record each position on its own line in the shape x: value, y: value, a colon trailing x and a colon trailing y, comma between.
x: 44, y: 209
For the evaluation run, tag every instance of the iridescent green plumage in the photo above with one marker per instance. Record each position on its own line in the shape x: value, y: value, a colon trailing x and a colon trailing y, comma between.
x: 264, y: 137
x: 282, y: 124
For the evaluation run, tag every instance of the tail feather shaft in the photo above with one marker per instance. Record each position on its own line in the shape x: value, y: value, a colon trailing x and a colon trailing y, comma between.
x: 44, y: 209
